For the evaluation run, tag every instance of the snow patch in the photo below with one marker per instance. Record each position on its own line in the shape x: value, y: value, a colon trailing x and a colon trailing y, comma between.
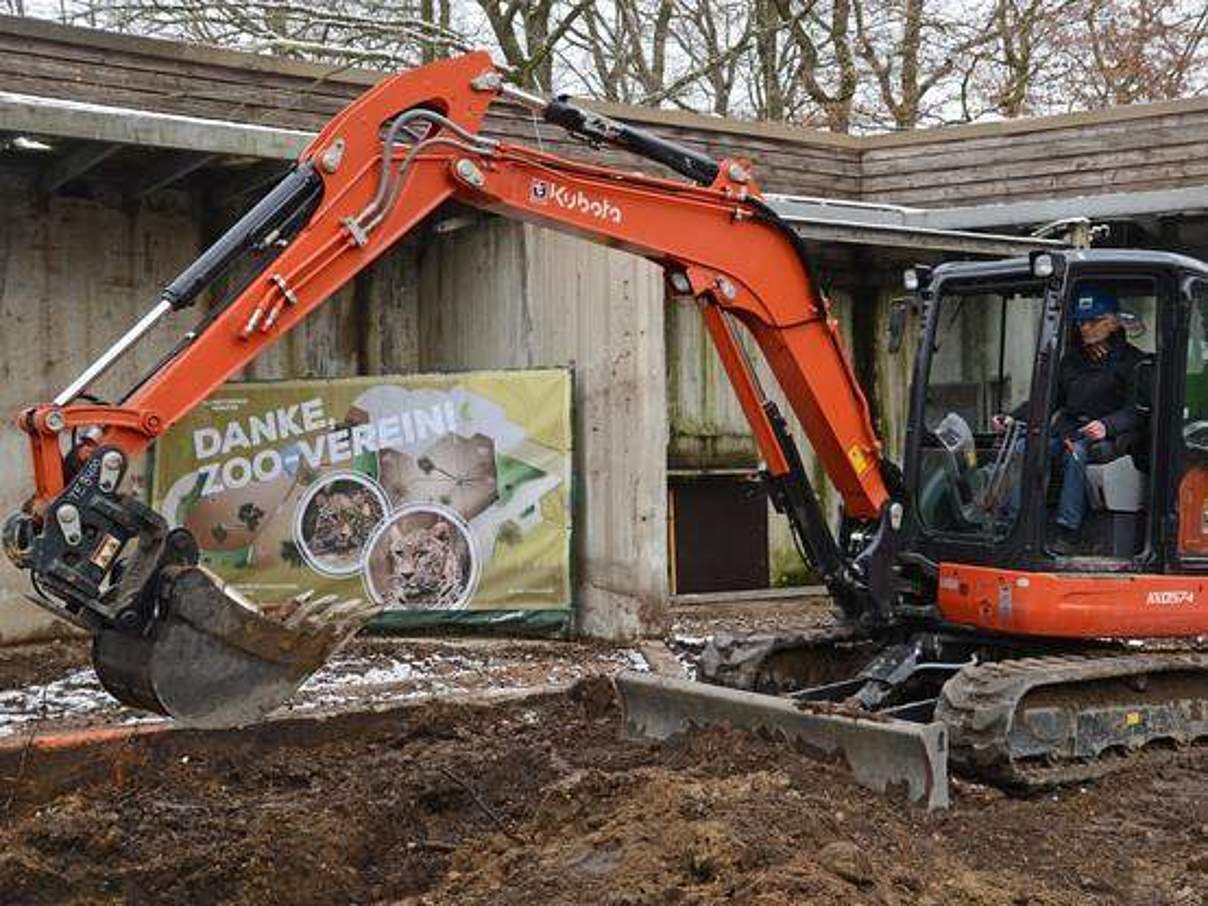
x: 77, y: 695
x: 632, y: 659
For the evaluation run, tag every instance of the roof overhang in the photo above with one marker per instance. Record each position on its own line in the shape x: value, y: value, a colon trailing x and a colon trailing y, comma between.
x: 893, y: 226
x: 58, y: 118
x: 959, y: 229
x: 98, y: 131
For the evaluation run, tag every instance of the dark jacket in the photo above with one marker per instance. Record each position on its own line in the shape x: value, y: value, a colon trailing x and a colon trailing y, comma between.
x: 1104, y: 390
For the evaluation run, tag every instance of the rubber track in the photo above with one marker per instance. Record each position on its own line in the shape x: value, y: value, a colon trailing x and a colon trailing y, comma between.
x: 741, y: 660
x: 979, y: 704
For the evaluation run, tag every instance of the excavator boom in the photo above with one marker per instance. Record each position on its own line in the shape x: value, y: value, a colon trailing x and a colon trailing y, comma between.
x: 169, y: 636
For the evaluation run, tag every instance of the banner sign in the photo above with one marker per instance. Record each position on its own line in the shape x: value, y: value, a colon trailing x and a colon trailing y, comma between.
x: 424, y: 493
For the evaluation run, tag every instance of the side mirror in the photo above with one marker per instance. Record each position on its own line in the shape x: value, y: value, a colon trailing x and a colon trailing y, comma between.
x: 899, y: 311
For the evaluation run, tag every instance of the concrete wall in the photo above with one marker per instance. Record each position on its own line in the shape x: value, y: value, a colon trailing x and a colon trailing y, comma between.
x: 708, y: 430
x: 507, y: 295
x: 74, y: 275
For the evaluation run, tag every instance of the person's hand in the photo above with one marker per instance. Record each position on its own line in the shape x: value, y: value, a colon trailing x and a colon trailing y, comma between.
x: 1095, y: 430
x: 1000, y: 423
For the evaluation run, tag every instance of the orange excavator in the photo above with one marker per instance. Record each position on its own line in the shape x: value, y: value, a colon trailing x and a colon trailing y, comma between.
x: 955, y: 605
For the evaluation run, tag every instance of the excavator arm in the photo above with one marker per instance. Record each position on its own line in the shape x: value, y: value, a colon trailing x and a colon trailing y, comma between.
x: 375, y: 172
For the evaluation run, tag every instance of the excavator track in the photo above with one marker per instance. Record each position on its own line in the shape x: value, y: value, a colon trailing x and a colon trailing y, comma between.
x: 774, y: 663
x: 1033, y: 723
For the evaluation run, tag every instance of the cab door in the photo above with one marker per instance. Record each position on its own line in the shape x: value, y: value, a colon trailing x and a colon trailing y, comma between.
x: 1124, y: 477
x: 970, y: 502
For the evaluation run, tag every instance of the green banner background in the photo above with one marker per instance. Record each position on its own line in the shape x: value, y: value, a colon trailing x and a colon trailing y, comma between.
x: 451, y: 491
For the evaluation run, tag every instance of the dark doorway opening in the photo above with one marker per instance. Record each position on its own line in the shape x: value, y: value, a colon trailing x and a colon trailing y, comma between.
x: 719, y: 527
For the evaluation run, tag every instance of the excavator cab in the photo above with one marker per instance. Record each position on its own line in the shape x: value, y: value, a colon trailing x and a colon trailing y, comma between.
x: 984, y: 456
x: 974, y: 619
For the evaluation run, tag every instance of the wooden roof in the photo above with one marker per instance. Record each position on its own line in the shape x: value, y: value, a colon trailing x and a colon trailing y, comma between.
x: 1139, y: 148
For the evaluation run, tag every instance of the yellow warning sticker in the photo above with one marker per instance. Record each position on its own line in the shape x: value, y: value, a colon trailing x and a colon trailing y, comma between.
x: 1132, y: 718
x: 106, y: 551
x: 859, y: 459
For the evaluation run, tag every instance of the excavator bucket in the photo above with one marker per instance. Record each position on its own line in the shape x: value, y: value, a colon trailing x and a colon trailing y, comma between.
x: 213, y: 659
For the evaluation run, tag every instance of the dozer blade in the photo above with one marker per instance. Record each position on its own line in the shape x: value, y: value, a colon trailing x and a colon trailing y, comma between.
x: 212, y: 659
x: 884, y: 754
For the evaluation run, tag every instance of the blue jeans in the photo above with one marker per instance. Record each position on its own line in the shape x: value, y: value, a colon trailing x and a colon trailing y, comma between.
x: 1072, y: 504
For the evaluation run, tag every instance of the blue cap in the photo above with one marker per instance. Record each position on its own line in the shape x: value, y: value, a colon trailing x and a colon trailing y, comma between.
x: 1093, y: 302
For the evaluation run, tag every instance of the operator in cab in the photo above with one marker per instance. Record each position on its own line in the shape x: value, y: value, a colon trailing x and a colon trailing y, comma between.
x: 1096, y: 418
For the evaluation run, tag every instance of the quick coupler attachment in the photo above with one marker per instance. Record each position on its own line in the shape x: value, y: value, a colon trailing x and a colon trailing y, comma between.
x: 168, y: 635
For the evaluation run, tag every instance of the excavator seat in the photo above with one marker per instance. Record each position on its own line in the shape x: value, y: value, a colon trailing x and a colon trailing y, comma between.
x: 1117, y: 494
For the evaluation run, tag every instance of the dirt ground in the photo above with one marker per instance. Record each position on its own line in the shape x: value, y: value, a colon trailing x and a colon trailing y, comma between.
x: 52, y: 689
x: 778, y: 614
x: 540, y: 800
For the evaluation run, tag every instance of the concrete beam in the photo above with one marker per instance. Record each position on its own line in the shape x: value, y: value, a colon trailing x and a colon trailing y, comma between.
x: 23, y: 113
x: 810, y: 208
x: 952, y: 228
x: 893, y: 226
x: 1110, y: 206
x: 991, y: 245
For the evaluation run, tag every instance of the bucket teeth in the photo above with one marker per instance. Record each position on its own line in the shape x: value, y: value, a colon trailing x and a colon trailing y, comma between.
x: 354, y: 610
x: 307, y: 609
x: 214, y: 658
x: 342, y: 619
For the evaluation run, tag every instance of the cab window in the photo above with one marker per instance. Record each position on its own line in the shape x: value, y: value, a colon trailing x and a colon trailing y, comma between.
x: 981, y: 366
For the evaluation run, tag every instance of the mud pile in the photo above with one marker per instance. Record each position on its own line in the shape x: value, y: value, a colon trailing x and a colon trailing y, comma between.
x: 541, y: 801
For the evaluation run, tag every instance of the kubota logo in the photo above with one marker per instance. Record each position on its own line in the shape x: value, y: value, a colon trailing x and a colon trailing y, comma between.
x: 1170, y: 597
x: 544, y: 192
